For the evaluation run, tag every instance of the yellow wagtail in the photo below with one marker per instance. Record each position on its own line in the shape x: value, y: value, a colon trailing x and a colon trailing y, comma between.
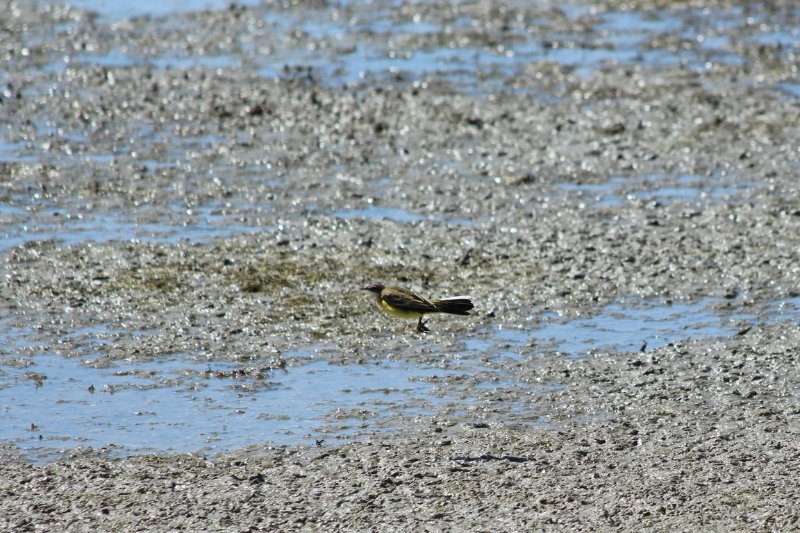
x: 408, y: 304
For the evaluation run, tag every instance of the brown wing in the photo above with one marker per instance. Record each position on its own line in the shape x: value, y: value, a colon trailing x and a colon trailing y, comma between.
x: 407, y: 300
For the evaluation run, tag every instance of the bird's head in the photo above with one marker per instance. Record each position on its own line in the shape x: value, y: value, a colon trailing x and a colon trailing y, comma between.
x: 375, y: 287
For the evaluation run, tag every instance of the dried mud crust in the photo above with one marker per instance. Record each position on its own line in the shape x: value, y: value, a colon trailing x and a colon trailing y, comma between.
x: 701, y: 434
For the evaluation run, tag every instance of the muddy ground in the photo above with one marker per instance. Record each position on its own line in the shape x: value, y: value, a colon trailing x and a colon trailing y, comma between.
x: 217, y: 117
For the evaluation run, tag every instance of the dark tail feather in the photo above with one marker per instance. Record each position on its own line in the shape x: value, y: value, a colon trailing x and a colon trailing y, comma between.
x: 459, y: 305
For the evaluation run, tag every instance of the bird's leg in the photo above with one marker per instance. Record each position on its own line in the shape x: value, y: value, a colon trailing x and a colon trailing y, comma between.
x: 421, y: 327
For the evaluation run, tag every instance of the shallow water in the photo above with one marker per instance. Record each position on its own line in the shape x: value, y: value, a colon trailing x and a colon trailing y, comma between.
x: 684, y: 188
x: 629, y: 325
x: 183, y: 405
x: 123, y: 9
x: 345, y: 50
x: 186, y: 404
x: 200, y: 224
x: 396, y: 214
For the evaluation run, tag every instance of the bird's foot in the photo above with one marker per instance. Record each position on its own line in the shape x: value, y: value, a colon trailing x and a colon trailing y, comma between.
x: 421, y: 327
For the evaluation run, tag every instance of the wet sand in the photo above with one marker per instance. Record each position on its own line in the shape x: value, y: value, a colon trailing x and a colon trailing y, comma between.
x: 156, y: 126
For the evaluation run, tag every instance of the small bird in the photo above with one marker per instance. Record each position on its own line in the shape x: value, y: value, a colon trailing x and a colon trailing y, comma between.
x: 408, y: 304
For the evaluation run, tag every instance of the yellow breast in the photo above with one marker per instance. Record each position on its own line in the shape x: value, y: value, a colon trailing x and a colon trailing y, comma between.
x: 397, y: 312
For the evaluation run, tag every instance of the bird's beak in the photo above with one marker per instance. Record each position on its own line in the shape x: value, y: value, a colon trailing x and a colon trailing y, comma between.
x: 372, y: 288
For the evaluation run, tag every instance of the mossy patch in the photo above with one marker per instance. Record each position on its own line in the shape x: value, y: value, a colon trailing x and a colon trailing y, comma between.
x: 157, y: 279
x: 263, y: 280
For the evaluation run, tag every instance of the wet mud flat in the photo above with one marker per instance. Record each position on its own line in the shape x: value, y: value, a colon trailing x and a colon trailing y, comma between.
x: 701, y: 434
x: 211, y: 187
